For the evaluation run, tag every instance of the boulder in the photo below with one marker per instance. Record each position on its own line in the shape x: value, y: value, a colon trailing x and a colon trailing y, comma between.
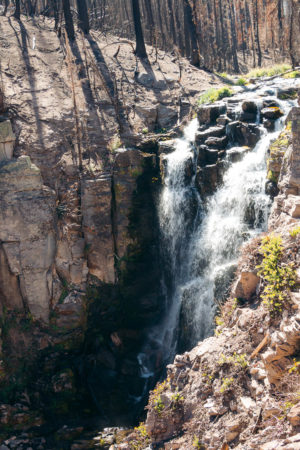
x: 294, y: 416
x: 243, y: 134
x: 249, y: 106
x: 167, y: 116
x: 209, y: 113
x: 269, y: 124
x: 217, y: 142
x: 271, y: 189
x: 223, y: 120
x: 167, y: 147
x: 246, y: 285
x: 270, y: 103
x: 211, y: 156
x: 273, y: 112
x: 235, y: 154
x: 247, y: 117
x: 202, y: 136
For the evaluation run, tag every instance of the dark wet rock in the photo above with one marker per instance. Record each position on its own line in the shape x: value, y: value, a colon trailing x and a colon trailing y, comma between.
x: 217, y: 131
x: 211, y: 156
x: 272, y: 112
x: 209, y: 113
x: 249, y: 106
x: 270, y: 103
x: 271, y: 189
x: 235, y: 154
x: 248, y: 117
x: 166, y: 146
x: 269, y: 124
x: 217, y: 142
x: 243, y: 134
x: 201, y: 160
x: 209, y: 177
x: 223, y: 120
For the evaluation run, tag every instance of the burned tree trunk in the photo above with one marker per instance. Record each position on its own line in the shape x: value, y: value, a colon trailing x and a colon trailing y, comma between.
x: 140, y: 43
x: 17, y: 13
x: 68, y: 20
x: 191, y: 28
x: 83, y: 16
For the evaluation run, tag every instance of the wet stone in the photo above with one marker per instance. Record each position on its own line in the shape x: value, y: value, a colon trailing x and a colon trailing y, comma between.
x: 209, y: 113
x: 202, y: 136
x: 269, y: 124
x: 272, y: 112
x: 217, y: 142
x: 250, y: 107
x: 243, y: 134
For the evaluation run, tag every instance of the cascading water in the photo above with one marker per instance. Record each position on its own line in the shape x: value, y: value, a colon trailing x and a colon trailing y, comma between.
x: 200, y: 243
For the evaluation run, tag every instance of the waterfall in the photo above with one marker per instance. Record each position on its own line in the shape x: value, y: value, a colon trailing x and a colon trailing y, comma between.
x: 201, y: 241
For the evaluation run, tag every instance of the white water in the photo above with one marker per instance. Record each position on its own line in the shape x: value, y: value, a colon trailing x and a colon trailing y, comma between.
x: 201, y: 244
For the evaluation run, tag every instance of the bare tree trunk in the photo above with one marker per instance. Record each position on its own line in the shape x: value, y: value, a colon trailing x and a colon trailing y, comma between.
x: 140, y: 43
x: 56, y: 14
x: 172, y: 22
x: 195, y: 59
x: 68, y: 20
x: 233, y: 38
x: 5, y: 7
x: 17, y: 13
x: 256, y: 18
x: 148, y: 8
x: 83, y: 16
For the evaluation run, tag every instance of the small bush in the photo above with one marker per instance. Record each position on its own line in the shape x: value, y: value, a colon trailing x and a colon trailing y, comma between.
x: 241, y: 82
x: 212, y: 95
x: 226, y: 384
x: 142, y: 438
x: 235, y: 359
x: 278, y: 277
x: 294, y: 232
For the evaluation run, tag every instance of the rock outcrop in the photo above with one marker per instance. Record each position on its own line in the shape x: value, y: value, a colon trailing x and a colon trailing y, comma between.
x: 27, y: 235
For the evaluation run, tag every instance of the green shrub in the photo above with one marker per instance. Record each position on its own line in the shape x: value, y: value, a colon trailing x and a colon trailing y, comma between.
x: 212, y: 95
x: 241, y: 82
x: 226, y: 384
x: 278, y: 277
x: 235, y: 360
x: 295, y: 231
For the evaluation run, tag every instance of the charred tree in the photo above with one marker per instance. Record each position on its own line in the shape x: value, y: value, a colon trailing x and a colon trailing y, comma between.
x: 140, y: 43
x: 68, y: 20
x: 17, y: 13
x: 191, y: 29
x: 5, y: 7
x: 83, y: 17
x: 150, y: 20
